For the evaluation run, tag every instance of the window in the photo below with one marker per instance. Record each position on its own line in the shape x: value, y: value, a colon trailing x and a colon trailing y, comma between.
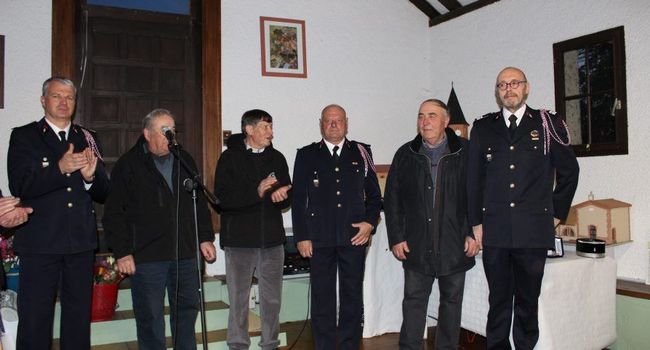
x: 590, y: 91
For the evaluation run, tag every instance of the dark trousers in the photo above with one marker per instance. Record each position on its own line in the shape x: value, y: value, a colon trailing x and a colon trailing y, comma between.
x: 349, y: 262
x: 417, y: 289
x: 514, y: 273
x: 148, y: 286
x: 39, y: 280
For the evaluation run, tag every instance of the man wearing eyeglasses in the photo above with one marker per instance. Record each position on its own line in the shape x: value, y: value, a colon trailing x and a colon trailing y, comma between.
x: 515, y: 156
x: 55, y: 167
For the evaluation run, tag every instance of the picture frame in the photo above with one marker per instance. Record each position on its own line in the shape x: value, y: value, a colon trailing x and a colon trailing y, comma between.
x: 2, y: 71
x: 284, y: 52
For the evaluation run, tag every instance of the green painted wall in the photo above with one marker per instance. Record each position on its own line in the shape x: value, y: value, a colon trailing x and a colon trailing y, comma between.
x: 632, y: 323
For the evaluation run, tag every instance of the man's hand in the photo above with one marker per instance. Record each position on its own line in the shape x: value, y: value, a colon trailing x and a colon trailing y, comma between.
x: 11, y: 215
x: 209, y: 251
x: 365, y: 229
x: 400, y: 249
x: 280, y: 194
x: 471, y: 247
x: 478, y: 235
x: 266, y: 184
x: 71, y: 162
x: 88, y: 171
x: 305, y: 249
x: 126, y: 265
x: 8, y: 204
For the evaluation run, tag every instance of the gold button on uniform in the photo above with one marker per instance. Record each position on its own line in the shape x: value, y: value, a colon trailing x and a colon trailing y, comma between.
x: 338, y: 205
x: 512, y: 204
x: 336, y: 169
x: 512, y: 167
x: 69, y: 205
x: 67, y: 174
x: 69, y: 189
x: 512, y: 185
x: 512, y: 148
x: 338, y: 193
x: 337, y: 180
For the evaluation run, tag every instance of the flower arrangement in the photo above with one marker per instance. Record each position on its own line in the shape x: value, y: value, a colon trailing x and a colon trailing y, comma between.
x: 105, y: 271
x: 10, y: 261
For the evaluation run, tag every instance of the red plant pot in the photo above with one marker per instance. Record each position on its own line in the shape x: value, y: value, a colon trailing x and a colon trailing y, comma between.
x: 103, y: 302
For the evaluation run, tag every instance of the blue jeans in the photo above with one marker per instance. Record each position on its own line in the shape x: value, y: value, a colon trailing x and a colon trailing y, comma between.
x: 148, y: 286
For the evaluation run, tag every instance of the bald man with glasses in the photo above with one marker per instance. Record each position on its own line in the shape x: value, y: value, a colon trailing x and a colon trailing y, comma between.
x: 516, y: 156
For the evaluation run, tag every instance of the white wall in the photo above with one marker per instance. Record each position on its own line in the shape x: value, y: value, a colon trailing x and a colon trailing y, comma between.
x: 368, y: 56
x: 472, y: 50
x: 26, y: 26
x: 379, y: 59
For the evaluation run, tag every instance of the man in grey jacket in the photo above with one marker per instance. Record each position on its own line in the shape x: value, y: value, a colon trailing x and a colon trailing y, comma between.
x: 426, y: 216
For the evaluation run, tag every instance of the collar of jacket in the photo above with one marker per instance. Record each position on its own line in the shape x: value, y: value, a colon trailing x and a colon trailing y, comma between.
x: 236, y: 142
x: 346, y: 143
x: 453, y: 141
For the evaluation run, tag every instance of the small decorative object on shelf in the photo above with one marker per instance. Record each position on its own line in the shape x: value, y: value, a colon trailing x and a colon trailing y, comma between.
x: 106, y: 281
x: 611, y: 216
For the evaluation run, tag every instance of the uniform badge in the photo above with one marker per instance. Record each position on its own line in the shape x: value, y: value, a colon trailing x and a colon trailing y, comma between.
x: 316, y: 182
x: 534, y: 135
x: 488, y: 157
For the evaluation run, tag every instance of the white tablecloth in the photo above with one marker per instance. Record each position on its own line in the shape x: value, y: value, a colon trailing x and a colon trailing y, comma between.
x: 577, y: 305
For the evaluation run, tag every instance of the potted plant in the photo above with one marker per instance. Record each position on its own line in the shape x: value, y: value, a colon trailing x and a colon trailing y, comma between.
x: 106, y: 280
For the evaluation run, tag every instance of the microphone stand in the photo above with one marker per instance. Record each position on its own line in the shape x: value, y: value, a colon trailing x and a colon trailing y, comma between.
x: 191, y: 185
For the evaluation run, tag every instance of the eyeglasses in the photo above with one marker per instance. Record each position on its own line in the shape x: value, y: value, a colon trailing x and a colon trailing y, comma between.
x: 513, y: 84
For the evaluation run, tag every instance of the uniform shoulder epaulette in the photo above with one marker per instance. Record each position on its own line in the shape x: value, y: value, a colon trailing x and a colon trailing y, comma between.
x: 486, y: 116
x: 87, y: 129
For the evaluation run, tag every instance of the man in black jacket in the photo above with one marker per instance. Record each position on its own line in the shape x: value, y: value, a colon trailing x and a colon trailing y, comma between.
x: 426, y: 216
x: 516, y: 155
x: 252, y: 183
x: 335, y: 208
x: 55, y: 167
x: 149, y: 223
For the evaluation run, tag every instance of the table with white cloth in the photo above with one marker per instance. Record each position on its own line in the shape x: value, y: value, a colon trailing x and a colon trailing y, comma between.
x: 577, y: 305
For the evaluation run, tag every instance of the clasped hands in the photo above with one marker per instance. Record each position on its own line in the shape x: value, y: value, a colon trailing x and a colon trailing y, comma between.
x: 85, y: 162
x: 11, y: 213
x: 278, y: 195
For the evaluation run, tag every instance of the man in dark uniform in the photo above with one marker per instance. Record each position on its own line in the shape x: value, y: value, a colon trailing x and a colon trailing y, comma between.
x: 335, y: 207
x: 55, y: 167
x: 516, y: 154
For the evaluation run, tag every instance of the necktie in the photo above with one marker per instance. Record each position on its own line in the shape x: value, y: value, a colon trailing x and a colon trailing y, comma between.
x: 335, y: 154
x: 513, y: 125
x: 62, y: 136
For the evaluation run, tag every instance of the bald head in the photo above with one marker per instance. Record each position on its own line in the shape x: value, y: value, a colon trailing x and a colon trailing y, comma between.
x: 511, y: 89
x: 333, y: 123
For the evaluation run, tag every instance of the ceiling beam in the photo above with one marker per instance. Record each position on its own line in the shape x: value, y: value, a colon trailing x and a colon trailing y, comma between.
x: 451, y: 5
x: 459, y: 12
x: 426, y: 7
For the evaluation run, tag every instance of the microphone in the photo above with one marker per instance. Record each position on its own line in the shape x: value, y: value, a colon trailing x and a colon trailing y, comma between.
x: 170, y: 135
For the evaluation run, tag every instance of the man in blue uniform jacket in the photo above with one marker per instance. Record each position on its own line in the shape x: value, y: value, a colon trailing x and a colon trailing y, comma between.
x: 55, y: 167
x: 515, y: 156
x: 335, y: 208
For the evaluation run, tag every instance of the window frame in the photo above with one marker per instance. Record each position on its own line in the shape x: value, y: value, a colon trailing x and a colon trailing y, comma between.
x: 615, y: 36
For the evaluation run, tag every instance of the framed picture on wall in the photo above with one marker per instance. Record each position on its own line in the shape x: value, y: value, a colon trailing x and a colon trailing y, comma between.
x: 284, y: 53
x: 2, y: 71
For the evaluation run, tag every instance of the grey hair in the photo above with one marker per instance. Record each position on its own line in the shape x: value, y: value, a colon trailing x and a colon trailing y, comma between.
x: 60, y: 80
x: 438, y: 103
x: 334, y: 105
x: 147, y: 121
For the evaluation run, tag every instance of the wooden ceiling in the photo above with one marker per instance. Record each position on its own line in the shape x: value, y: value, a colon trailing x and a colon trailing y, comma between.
x: 440, y: 11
